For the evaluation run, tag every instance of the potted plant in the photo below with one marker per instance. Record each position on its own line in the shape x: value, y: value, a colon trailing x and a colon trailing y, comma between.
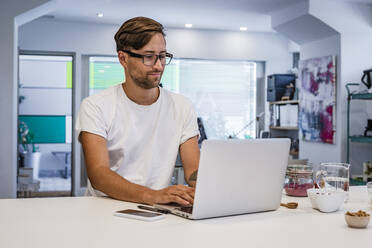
x: 29, y: 150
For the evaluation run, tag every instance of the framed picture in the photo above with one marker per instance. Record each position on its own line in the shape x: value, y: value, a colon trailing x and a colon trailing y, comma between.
x: 317, y: 99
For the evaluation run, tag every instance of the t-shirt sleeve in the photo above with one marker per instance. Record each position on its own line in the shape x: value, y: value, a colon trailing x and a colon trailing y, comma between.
x: 90, y: 119
x: 190, y: 126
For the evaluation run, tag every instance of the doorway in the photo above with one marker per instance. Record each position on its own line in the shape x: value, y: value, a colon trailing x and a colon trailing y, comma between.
x: 45, y: 124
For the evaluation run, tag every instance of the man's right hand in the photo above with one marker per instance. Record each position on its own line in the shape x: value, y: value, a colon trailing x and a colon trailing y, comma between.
x: 180, y: 194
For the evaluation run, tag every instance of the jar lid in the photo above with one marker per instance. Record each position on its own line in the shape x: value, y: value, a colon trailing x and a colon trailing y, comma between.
x: 299, y: 170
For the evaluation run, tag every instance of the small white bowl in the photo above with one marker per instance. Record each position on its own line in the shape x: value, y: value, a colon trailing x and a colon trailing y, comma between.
x: 357, y: 221
x: 326, y: 201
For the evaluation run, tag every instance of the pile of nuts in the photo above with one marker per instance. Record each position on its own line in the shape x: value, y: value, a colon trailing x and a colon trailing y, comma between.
x: 360, y: 213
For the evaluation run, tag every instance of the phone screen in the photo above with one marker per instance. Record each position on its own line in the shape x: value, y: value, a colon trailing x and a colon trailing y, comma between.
x: 138, y: 212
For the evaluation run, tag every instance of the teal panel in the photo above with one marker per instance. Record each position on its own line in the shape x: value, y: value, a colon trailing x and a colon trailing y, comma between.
x: 361, y: 139
x: 46, y: 129
x: 365, y: 96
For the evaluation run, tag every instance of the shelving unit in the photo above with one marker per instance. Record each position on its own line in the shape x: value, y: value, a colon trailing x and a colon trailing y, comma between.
x: 288, y: 131
x: 283, y: 128
x: 285, y: 102
x: 355, y: 138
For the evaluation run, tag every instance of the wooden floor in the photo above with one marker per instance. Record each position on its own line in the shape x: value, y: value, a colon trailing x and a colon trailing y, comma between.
x: 30, y: 194
x: 51, y: 194
x: 49, y: 187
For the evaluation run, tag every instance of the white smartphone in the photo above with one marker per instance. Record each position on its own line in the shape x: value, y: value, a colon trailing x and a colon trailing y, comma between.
x: 139, y: 215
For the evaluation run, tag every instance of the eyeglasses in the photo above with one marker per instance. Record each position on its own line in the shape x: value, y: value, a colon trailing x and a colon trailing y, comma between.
x: 151, y: 59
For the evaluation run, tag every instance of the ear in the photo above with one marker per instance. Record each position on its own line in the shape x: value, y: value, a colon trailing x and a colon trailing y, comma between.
x: 123, y: 58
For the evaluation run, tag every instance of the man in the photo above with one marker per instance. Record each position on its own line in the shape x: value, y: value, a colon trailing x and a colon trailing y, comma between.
x: 131, y: 133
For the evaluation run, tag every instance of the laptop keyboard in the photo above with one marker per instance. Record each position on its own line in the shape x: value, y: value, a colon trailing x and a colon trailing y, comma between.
x: 185, y: 209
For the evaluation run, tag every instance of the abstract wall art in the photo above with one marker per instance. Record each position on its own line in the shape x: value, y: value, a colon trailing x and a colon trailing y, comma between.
x: 317, y: 99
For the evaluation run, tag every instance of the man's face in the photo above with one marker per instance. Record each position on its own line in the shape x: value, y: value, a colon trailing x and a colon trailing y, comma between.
x: 147, y: 76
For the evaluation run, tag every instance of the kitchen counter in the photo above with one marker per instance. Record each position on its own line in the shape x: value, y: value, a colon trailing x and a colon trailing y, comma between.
x: 89, y: 222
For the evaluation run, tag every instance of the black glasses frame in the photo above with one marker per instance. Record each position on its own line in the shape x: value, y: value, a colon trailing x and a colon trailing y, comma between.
x: 136, y: 55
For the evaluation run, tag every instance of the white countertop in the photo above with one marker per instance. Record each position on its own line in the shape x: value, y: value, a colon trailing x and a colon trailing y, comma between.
x: 89, y: 222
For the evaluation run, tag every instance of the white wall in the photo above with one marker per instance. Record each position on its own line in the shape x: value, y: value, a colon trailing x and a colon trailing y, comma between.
x: 12, y: 14
x: 86, y: 38
x: 97, y: 39
x: 315, y: 152
x: 354, y: 22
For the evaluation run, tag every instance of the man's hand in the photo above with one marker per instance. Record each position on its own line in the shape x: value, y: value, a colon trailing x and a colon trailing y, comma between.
x: 180, y: 194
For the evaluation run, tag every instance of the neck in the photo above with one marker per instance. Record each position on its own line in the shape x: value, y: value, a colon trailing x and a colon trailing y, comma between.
x: 139, y: 95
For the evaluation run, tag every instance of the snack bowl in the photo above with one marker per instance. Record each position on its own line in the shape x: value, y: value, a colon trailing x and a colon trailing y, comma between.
x: 357, y: 221
x: 326, y: 201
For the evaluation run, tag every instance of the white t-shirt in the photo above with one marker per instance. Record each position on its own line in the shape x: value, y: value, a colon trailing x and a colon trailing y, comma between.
x: 142, y: 141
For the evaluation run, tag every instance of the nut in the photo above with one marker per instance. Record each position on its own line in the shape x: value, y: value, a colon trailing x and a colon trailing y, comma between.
x: 360, y: 213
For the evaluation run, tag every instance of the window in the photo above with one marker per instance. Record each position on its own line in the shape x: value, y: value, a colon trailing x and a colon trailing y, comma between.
x: 103, y: 73
x: 223, y: 92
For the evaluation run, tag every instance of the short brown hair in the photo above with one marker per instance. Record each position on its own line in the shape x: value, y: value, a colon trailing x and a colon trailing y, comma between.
x: 136, y: 33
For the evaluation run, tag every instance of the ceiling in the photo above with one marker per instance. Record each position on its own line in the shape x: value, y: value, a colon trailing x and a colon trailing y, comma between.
x: 203, y: 14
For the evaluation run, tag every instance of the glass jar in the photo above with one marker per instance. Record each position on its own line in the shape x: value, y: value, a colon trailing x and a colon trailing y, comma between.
x: 298, y: 179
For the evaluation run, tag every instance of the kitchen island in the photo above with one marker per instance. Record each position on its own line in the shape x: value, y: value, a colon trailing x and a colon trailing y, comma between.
x: 89, y: 222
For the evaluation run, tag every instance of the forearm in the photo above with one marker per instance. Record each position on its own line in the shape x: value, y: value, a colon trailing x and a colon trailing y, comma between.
x: 104, y: 179
x: 190, y: 178
x: 109, y: 182
x: 115, y: 186
x: 190, y: 154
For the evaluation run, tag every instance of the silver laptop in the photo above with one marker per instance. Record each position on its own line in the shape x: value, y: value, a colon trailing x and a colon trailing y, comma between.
x: 237, y: 177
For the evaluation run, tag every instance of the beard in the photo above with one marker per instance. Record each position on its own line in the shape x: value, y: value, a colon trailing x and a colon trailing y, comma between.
x: 145, y: 82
